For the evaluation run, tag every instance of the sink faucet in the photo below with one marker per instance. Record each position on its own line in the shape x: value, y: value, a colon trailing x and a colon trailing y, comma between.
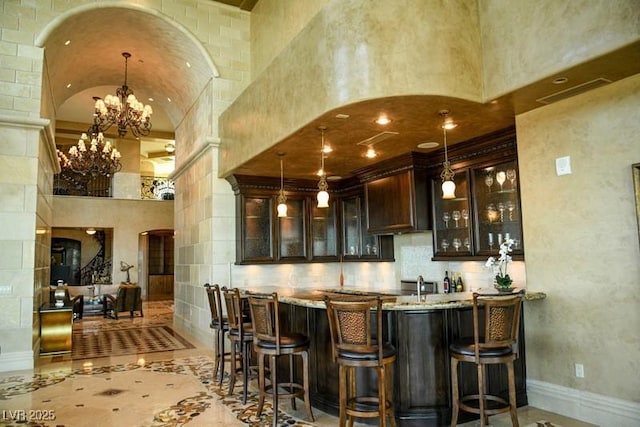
x: 419, y: 284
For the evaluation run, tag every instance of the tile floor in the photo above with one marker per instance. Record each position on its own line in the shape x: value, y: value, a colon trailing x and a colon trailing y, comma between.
x: 170, y: 388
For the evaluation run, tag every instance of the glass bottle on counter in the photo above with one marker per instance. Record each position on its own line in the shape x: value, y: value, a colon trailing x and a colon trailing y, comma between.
x: 446, y: 283
x: 459, y: 286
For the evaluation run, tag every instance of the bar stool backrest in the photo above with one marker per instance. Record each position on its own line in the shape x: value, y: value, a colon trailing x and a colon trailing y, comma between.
x: 501, y: 321
x: 215, y: 303
x: 265, y: 320
x: 233, y: 302
x: 351, y: 328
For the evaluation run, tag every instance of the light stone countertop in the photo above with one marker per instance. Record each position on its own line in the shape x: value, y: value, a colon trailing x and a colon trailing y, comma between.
x: 313, y: 297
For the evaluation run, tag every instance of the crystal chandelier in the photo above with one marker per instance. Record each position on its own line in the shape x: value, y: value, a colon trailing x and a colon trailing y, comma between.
x: 98, y: 159
x: 123, y: 110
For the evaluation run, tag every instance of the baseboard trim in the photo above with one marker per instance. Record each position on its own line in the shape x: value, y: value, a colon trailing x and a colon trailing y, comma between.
x: 16, y: 361
x: 582, y: 405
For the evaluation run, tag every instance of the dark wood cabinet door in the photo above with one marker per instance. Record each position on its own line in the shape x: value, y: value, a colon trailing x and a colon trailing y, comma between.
x: 256, y: 229
x: 292, y: 231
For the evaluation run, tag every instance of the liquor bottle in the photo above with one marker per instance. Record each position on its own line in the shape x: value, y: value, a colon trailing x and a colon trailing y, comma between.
x: 445, y: 283
x: 452, y: 283
x: 459, y: 286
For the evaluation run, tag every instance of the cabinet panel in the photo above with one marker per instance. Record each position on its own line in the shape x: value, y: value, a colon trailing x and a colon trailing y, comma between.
x: 324, y: 232
x: 256, y: 242
x: 398, y: 203
x: 291, y: 231
x: 452, y: 218
x: 497, y: 208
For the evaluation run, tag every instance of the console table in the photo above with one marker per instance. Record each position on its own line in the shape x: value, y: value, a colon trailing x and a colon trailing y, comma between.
x: 56, y: 327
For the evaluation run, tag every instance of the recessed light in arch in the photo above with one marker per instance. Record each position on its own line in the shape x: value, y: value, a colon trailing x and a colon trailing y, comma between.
x: 68, y: 85
x: 560, y: 80
x: 188, y: 65
x: 67, y: 43
x: 151, y: 99
x: 169, y: 99
x: 383, y: 120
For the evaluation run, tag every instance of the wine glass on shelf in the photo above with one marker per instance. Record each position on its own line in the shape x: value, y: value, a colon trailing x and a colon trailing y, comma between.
x: 488, y: 180
x: 501, y: 177
x: 490, y: 240
x: 511, y: 207
x: 446, y: 217
x: 511, y: 176
x: 455, y: 215
x: 467, y: 243
x: 444, y: 244
x: 501, y: 208
x: 457, y: 244
x: 465, y: 216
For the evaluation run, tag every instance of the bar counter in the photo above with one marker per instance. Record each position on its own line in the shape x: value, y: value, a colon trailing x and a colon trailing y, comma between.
x: 420, y: 330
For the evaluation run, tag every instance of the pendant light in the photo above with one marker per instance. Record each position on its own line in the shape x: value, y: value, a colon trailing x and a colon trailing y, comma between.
x: 323, y: 195
x: 448, y: 186
x: 282, y: 200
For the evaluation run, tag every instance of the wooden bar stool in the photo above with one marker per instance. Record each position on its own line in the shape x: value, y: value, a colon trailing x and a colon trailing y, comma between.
x: 270, y: 341
x: 241, y: 337
x: 357, y: 343
x: 220, y: 324
x: 496, y: 343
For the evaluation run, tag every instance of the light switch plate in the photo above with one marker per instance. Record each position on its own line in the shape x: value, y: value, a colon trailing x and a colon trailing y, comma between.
x: 563, y: 166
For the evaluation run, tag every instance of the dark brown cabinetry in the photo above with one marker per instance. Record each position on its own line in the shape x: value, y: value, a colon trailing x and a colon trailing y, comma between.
x: 486, y: 209
x: 421, y: 372
x: 307, y: 233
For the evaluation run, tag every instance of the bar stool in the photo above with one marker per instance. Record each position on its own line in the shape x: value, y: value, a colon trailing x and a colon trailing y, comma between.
x: 241, y: 337
x: 496, y: 344
x: 220, y: 324
x: 354, y: 345
x: 270, y: 341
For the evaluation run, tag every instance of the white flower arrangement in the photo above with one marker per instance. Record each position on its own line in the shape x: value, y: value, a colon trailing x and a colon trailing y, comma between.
x: 499, y: 266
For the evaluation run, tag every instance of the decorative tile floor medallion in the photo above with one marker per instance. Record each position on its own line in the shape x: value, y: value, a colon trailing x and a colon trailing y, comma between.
x: 188, y: 390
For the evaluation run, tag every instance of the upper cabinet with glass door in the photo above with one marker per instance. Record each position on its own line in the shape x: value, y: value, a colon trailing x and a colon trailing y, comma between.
x: 451, y: 218
x: 497, y: 208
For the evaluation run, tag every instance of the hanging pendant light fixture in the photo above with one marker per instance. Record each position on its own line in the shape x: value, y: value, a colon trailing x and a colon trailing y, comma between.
x: 448, y: 186
x: 282, y: 199
x: 123, y: 110
x: 323, y: 194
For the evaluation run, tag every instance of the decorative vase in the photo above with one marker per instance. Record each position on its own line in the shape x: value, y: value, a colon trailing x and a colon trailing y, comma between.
x: 59, y: 295
x: 503, y: 284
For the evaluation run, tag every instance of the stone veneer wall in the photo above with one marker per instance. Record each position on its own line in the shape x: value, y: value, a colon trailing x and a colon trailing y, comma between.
x: 25, y: 176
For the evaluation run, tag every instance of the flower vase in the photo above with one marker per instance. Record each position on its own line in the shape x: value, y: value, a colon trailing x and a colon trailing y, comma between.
x: 503, y: 284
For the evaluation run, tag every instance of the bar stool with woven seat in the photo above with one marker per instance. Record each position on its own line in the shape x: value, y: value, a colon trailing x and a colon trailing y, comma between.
x: 496, y: 343
x: 357, y: 343
x: 241, y: 337
x: 220, y: 324
x: 270, y: 341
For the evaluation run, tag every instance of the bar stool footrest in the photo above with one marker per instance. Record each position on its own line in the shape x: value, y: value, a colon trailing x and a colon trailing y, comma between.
x: 294, y: 390
x: 490, y: 408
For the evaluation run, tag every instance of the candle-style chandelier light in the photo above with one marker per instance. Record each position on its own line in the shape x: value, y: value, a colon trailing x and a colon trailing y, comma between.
x: 91, y: 158
x: 123, y: 110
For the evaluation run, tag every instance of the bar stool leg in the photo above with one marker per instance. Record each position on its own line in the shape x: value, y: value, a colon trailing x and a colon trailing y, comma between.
x: 512, y: 395
x: 382, y: 398
x: 351, y: 375
x: 221, y: 347
x: 481, y: 392
x: 245, y: 370
x: 293, y: 398
x: 274, y: 389
x: 233, y: 367
x: 344, y: 394
x: 261, y: 383
x: 454, y: 391
x: 305, y: 384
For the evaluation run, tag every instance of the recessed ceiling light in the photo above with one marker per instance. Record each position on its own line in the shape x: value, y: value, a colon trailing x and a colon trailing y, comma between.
x: 371, y: 153
x: 151, y: 99
x: 428, y: 145
x: 342, y: 116
x: 334, y: 178
x: 383, y: 120
x: 560, y: 80
x: 67, y: 43
x: 188, y: 65
x: 327, y: 149
x: 68, y: 85
x: 169, y: 99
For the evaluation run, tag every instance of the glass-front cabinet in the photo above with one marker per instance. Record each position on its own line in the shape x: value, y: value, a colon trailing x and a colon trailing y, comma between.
x: 484, y: 213
x: 452, y: 218
x: 291, y: 231
x: 256, y: 233
x: 497, y: 208
x: 357, y: 242
x: 324, y: 234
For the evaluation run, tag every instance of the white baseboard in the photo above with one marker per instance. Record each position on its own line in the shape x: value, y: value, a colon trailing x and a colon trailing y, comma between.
x: 16, y: 361
x: 582, y: 405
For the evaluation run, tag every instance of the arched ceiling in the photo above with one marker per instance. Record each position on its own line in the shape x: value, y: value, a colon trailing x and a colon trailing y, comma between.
x: 83, y: 57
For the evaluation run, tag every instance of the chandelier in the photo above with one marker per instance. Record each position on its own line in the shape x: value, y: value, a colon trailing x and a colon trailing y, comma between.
x: 123, y: 110
x: 99, y: 158
x: 323, y: 194
x: 448, y: 186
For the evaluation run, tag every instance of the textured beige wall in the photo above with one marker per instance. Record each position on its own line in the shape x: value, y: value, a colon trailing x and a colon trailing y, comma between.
x: 582, y: 240
x: 524, y: 41
x: 274, y: 23
x: 350, y: 51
